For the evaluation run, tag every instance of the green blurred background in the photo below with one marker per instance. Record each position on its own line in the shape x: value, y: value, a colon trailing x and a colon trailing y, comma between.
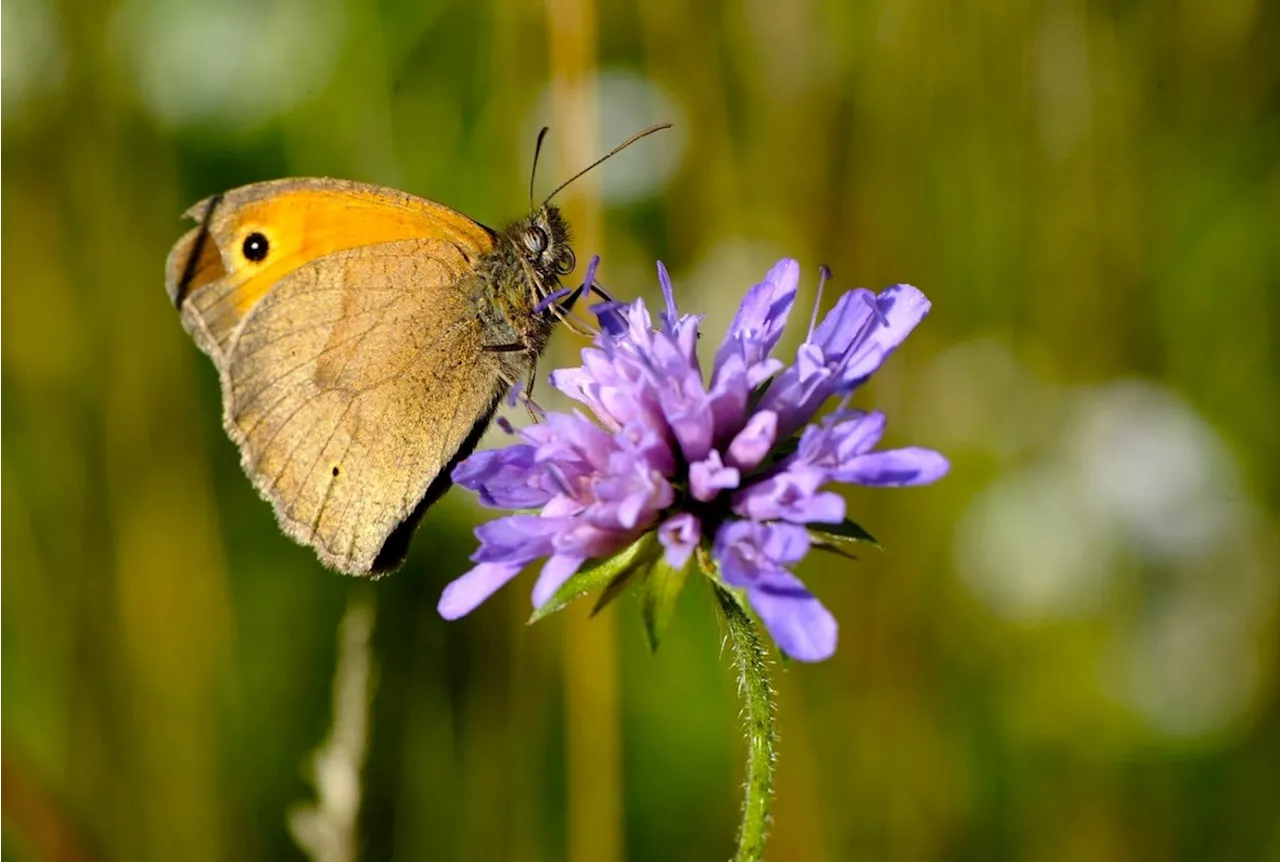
x: 1068, y: 650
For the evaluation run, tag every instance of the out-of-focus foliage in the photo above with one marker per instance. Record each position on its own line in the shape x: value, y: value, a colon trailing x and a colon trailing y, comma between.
x: 1068, y: 650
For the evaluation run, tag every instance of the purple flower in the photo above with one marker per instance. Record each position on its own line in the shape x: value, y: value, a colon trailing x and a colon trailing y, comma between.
x: 735, y: 466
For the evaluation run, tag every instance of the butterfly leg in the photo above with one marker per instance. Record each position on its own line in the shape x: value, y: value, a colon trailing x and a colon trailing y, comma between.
x: 528, y: 387
x: 526, y: 395
x: 517, y: 391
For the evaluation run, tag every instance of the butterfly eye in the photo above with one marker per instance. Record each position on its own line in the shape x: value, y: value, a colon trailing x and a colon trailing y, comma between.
x: 535, y: 240
x: 255, y: 247
x: 567, y: 262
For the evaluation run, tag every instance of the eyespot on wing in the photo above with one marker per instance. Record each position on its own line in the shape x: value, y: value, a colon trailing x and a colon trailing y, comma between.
x: 251, y: 238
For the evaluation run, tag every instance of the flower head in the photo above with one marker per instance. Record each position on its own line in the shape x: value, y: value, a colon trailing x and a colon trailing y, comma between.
x: 734, y: 465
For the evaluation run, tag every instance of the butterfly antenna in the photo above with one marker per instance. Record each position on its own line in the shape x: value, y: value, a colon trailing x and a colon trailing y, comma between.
x: 619, y: 148
x: 537, y: 148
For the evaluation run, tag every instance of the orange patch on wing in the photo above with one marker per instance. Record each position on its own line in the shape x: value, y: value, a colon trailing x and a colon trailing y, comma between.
x: 305, y: 224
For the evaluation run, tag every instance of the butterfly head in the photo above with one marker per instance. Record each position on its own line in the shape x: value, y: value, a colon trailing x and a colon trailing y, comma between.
x: 543, y: 241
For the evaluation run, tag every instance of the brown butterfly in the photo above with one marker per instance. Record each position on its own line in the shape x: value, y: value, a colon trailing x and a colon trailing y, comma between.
x: 364, y: 338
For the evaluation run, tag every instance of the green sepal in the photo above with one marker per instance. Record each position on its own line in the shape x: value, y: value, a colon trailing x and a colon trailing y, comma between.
x: 659, y: 592
x: 843, y: 533
x: 620, y: 585
x: 601, y: 573
x: 820, y: 545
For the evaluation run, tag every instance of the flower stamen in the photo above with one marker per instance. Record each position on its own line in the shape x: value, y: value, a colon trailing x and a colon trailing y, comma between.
x: 823, y: 275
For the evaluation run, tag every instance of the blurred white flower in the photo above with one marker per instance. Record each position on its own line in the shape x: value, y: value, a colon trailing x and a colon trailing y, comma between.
x: 1128, y: 510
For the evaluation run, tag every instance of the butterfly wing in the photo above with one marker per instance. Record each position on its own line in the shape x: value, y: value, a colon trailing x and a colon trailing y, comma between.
x: 215, y: 285
x: 352, y: 377
x: 350, y: 393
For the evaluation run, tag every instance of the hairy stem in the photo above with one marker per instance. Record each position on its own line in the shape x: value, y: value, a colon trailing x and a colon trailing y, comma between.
x: 757, y: 718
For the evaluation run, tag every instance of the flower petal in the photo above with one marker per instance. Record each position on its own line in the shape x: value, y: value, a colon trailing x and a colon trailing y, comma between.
x: 728, y: 397
x: 692, y: 426
x: 754, y: 441
x: 799, y: 390
x: 589, y: 277
x: 505, y: 478
x: 839, y: 438
x: 707, y: 478
x: 580, y: 385
x: 899, y: 308
x: 850, y: 343
x: 856, y: 436
x: 750, y: 553
x: 763, y: 312
x: 679, y: 535
x: 517, y: 538
x: 558, y: 569
x: 465, y: 594
x: 803, y: 628
x: 790, y: 495
x: 785, y: 543
x: 893, y: 468
x: 761, y: 318
x: 670, y: 316
x: 585, y: 537
x: 847, y: 323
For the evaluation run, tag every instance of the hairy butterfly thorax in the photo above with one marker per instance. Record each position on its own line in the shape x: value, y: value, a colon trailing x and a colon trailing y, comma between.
x: 525, y: 267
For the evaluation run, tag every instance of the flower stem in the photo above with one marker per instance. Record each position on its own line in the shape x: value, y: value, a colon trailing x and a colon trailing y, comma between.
x: 757, y: 718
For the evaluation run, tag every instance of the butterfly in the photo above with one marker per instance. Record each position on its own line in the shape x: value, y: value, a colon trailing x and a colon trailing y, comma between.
x: 363, y: 339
